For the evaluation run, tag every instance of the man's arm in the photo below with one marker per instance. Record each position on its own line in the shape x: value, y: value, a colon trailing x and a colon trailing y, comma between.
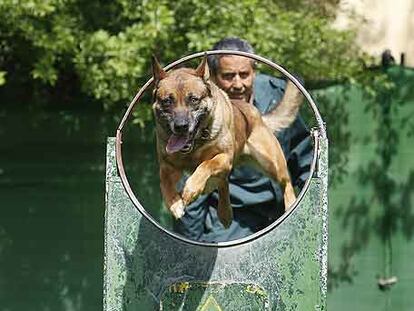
x: 299, y: 153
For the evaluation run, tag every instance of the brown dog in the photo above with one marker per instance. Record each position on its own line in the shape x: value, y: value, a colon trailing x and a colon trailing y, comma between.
x: 201, y: 131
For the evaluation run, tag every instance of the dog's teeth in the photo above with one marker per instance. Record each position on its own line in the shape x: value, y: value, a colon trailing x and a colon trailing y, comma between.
x: 186, y: 148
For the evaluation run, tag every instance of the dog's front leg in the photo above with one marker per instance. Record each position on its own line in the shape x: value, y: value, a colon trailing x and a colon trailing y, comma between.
x: 169, y: 177
x: 217, y: 167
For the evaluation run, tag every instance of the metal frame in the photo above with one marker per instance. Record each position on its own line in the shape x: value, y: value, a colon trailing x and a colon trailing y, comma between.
x: 315, y: 133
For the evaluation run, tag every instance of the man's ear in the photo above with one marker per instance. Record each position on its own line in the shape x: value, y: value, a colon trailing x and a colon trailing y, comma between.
x: 157, y: 71
x: 202, y: 70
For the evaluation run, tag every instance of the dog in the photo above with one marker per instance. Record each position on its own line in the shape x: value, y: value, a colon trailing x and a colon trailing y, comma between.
x: 201, y: 131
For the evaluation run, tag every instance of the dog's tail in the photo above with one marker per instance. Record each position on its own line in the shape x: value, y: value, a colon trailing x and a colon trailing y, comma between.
x: 285, y: 112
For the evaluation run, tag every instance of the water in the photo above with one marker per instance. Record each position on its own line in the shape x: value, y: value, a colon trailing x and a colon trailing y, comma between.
x: 52, y: 206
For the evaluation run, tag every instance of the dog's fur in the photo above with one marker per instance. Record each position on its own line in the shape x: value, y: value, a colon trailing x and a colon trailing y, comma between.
x: 200, y: 130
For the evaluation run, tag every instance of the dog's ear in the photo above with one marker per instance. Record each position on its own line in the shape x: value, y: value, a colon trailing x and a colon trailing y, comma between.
x: 202, y: 70
x: 157, y: 71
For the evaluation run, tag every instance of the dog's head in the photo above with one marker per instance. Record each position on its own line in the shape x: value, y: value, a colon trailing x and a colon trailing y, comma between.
x: 182, y: 102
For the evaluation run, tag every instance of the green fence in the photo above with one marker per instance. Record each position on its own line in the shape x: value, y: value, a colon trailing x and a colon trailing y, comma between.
x: 371, y: 208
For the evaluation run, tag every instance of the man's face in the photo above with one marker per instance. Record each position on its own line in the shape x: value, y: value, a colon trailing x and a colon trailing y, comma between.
x: 235, y: 76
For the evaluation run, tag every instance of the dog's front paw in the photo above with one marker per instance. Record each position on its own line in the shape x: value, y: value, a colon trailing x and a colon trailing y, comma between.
x: 177, y: 209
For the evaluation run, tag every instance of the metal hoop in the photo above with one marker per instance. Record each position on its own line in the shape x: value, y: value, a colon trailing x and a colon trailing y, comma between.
x: 320, y: 131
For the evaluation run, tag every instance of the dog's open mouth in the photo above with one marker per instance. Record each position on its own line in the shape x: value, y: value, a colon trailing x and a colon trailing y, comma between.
x: 182, y: 143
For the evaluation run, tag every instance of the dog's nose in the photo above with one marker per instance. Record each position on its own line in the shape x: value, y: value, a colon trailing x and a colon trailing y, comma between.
x: 181, y: 126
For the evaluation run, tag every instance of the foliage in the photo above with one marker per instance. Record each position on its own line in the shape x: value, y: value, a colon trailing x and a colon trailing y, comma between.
x: 107, y: 46
x: 2, y: 77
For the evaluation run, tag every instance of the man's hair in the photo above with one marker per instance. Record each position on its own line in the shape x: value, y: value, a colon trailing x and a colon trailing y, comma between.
x: 232, y: 43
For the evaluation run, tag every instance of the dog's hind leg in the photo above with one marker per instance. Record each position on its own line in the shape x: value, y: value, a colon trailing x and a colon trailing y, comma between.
x: 224, y: 210
x: 267, y: 152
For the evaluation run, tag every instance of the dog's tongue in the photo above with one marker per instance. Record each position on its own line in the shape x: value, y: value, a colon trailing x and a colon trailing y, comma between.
x: 176, y: 143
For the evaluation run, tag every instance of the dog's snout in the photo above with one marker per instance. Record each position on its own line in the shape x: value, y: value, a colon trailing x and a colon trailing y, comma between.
x: 181, y: 125
x: 181, y: 122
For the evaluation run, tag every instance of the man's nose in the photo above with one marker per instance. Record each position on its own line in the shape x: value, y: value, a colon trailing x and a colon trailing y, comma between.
x: 237, y: 82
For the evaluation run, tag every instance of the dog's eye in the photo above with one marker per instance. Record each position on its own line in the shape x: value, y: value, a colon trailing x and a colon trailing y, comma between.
x: 166, y: 101
x: 194, y: 100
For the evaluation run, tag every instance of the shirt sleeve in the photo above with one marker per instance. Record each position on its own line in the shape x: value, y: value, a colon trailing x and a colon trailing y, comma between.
x: 298, y: 150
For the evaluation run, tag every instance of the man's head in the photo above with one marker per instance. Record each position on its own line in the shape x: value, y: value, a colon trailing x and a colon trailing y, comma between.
x: 232, y: 73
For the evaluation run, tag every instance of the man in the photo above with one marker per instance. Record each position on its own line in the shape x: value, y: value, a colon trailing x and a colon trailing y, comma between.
x: 257, y: 201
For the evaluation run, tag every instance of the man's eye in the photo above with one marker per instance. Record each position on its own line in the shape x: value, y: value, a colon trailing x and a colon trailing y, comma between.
x: 227, y: 76
x: 244, y: 75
